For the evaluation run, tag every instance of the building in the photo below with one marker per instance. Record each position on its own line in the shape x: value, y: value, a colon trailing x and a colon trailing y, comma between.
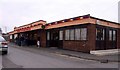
x: 83, y: 33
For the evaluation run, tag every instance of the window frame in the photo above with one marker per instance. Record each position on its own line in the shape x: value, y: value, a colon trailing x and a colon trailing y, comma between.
x: 68, y: 34
x: 110, y: 35
x: 76, y: 38
x: 114, y: 36
x: 102, y: 31
x: 48, y: 33
x: 72, y: 35
x: 85, y: 34
x: 61, y: 38
x: 75, y: 34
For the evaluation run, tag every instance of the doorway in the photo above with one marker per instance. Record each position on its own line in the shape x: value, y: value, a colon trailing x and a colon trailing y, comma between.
x: 54, y: 38
x: 106, y: 38
x: 100, y: 39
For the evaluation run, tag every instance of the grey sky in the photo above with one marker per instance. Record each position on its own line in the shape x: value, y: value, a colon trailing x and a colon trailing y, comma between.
x: 19, y: 12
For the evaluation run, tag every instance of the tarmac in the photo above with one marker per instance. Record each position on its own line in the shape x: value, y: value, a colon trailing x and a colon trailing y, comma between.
x: 87, y: 56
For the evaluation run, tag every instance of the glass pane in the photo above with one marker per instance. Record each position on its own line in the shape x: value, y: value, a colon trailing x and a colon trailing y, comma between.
x: 110, y: 35
x: 114, y: 35
x: 77, y: 34
x: 61, y: 35
x: 100, y: 34
x: 67, y: 32
x: 15, y: 36
x: 10, y: 36
x: 84, y: 34
x: 48, y: 35
x: 72, y: 34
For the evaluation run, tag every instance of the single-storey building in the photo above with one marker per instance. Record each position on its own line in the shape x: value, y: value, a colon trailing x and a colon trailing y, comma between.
x: 83, y: 33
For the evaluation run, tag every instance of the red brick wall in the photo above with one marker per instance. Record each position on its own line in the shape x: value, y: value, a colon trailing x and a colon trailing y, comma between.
x: 91, y: 44
x: 75, y: 45
x: 43, y: 38
x: 84, y: 46
x: 118, y: 38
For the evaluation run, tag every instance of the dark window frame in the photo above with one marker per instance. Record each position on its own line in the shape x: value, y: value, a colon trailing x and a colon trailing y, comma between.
x: 75, y: 34
x: 101, y: 35
x: 60, y: 35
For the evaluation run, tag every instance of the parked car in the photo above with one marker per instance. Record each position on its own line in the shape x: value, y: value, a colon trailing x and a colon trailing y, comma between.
x: 3, y: 46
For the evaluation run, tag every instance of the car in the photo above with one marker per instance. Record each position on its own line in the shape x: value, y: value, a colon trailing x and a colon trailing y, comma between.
x: 3, y: 45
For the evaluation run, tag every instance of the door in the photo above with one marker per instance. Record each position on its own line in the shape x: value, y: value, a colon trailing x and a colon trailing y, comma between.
x: 52, y: 38
x: 100, y: 39
x: 55, y: 38
x: 106, y: 38
x: 112, y: 39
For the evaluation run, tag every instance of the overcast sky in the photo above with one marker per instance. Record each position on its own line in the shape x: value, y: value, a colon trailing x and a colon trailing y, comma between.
x: 20, y: 12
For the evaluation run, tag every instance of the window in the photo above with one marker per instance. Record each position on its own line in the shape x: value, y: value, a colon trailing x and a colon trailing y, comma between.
x: 110, y: 35
x: 72, y: 35
x: 48, y: 35
x: 77, y: 34
x: 100, y: 34
x: 35, y: 36
x: 15, y: 36
x: 67, y: 32
x: 11, y: 37
x: 114, y: 35
x: 60, y: 35
x: 83, y: 33
x: 51, y: 36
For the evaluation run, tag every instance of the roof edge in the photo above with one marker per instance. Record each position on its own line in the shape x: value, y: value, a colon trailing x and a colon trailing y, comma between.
x: 104, y: 20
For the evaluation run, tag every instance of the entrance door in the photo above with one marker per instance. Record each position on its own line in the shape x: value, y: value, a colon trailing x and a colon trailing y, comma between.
x: 55, y: 38
x: 52, y: 38
x: 100, y: 39
x: 112, y: 39
x: 106, y: 38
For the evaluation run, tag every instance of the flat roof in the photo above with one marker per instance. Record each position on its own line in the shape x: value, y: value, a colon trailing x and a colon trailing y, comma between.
x: 31, y: 23
x: 85, y: 16
x: 66, y: 20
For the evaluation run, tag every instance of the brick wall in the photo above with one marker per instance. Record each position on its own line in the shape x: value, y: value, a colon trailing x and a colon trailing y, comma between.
x: 84, y: 46
x: 43, y: 38
x: 91, y: 44
x: 75, y: 45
